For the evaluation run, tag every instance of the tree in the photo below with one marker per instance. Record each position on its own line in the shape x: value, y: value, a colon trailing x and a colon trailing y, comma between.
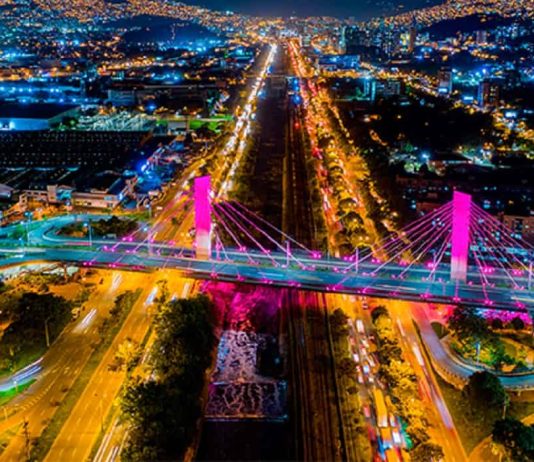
x: 398, y: 371
x: 426, y: 452
x: 338, y: 322
x: 516, y: 437
x: 517, y: 323
x: 379, y: 311
x: 162, y: 412
x: 163, y: 289
x: 185, y: 335
x: 485, y: 391
x: 127, y: 354
x: 468, y: 324
x: 32, y: 313
x: 346, y: 367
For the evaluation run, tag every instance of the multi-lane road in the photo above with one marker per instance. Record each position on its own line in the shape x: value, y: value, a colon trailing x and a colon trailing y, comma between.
x: 62, y: 364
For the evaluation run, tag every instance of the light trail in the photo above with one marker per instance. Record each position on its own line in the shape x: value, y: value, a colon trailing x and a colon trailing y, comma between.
x: 238, y: 139
x: 86, y: 322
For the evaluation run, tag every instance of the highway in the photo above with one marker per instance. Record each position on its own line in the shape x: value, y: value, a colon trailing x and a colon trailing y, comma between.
x: 443, y: 429
x: 62, y: 364
x: 81, y: 429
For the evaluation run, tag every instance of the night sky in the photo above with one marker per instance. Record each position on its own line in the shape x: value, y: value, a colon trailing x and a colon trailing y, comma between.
x: 360, y: 9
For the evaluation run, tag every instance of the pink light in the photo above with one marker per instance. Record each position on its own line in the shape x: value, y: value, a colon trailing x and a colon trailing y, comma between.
x: 203, y: 216
x: 461, y: 216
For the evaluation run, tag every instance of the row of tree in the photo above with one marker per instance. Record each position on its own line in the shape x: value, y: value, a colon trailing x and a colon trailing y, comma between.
x: 162, y: 410
x: 113, y: 226
x: 402, y: 382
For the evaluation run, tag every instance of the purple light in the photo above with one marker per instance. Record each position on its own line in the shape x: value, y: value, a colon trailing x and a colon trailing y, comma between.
x: 203, y: 216
x: 461, y: 216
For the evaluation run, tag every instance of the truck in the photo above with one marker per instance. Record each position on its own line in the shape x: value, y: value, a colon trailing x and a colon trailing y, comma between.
x: 380, y: 408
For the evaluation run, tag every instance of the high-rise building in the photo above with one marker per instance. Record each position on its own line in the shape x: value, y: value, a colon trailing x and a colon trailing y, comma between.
x: 488, y: 93
x: 412, y: 37
x: 481, y: 37
x: 445, y: 80
x: 385, y: 88
x: 355, y: 40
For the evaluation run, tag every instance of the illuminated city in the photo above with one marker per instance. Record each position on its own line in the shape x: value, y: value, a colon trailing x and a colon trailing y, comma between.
x: 266, y: 231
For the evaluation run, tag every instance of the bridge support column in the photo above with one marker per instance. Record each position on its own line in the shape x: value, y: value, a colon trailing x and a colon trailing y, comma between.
x: 461, y: 218
x: 202, y: 194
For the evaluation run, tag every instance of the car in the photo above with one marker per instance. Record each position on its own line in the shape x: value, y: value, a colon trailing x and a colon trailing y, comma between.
x: 397, y: 440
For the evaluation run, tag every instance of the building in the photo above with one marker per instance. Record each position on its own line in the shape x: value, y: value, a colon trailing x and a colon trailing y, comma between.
x: 31, y: 117
x: 385, y: 88
x: 481, y: 37
x: 521, y: 225
x: 337, y: 62
x: 122, y: 98
x: 412, y: 38
x: 445, y: 81
x: 355, y: 40
x: 488, y: 93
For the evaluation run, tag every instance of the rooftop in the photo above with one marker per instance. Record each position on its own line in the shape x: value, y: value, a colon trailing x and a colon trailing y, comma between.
x: 33, y: 110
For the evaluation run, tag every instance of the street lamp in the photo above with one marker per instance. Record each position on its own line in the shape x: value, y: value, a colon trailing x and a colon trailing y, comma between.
x: 26, y: 223
x: 90, y: 230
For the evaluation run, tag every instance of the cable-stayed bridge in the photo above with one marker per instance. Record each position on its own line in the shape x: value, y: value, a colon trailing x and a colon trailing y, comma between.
x: 457, y: 254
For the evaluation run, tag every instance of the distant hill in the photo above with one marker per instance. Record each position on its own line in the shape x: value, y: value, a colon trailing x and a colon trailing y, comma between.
x: 467, y: 24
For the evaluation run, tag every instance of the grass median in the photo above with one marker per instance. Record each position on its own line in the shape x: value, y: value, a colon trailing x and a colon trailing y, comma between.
x: 123, y: 306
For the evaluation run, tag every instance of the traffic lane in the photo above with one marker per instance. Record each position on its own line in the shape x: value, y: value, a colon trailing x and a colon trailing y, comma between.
x: 60, y: 375
x: 446, y: 434
x: 74, y: 440
x: 114, y: 438
x: 82, y: 427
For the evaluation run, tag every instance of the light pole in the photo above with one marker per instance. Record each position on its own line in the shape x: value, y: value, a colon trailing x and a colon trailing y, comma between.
x: 90, y: 231
x: 101, y: 411
x: 530, y: 274
x: 47, y: 334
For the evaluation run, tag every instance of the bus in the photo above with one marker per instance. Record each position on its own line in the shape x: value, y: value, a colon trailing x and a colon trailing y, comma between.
x: 392, y: 455
x: 380, y: 407
x: 387, y: 437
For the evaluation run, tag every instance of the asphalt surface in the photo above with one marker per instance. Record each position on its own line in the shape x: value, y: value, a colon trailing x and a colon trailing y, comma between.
x: 61, y: 365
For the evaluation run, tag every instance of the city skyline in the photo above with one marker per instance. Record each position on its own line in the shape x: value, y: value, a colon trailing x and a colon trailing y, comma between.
x: 227, y: 224
x: 337, y: 8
